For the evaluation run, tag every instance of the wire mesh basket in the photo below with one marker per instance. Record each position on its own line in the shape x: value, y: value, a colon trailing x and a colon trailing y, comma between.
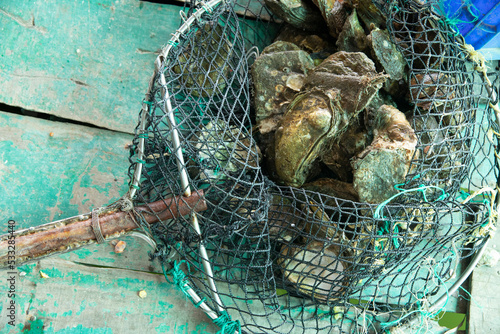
x: 296, y: 238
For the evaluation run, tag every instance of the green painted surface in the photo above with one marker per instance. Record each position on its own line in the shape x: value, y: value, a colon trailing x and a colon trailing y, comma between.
x: 85, y: 60
x: 45, y: 178
x: 76, y: 298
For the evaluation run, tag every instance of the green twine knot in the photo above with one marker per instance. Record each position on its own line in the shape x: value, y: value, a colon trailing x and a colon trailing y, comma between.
x: 178, y: 276
x: 227, y: 326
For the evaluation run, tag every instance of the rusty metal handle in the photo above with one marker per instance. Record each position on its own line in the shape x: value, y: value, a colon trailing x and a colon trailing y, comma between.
x: 71, y: 233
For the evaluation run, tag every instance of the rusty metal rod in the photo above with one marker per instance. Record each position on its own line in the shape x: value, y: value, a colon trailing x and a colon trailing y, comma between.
x: 71, y: 233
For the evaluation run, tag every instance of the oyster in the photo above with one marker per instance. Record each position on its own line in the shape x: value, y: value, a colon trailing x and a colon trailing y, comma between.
x: 352, y: 38
x: 299, y: 13
x: 311, y: 120
x: 222, y: 150
x: 387, y: 54
x: 431, y: 89
x: 354, y: 74
x: 278, y: 75
x: 210, y: 76
x: 387, y: 160
x: 310, y: 43
x: 315, y: 269
x: 334, y: 12
x: 337, y: 157
x: 285, y: 222
x: 440, y: 158
x: 336, y: 199
x: 368, y: 12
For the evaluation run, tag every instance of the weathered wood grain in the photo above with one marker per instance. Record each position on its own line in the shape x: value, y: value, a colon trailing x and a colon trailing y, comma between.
x: 85, y: 60
x: 76, y: 298
x: 53, y: 170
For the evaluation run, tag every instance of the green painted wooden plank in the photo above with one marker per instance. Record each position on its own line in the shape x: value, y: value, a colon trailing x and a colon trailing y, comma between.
x: 85, y: 60
x: 45, y: 178
x: 82, y: 299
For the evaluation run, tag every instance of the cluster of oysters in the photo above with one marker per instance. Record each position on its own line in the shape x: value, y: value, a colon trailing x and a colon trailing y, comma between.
x: 332, y: 115
x: 329, y: 109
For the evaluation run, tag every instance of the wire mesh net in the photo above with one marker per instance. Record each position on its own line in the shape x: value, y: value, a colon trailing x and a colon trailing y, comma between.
x: 338, y: 194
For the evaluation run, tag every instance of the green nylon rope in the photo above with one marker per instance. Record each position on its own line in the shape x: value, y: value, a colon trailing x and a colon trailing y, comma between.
x: 227, y: 326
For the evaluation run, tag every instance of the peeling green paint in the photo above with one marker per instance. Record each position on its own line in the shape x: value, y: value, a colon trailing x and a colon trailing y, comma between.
x: 79, y: 329
x: 34, y: 327
x: 163, y: 328
x: 106, y: 259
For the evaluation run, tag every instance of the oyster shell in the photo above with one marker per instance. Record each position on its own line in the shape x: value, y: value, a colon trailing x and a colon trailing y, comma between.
x: 387, y: 54
x: 310, y: 43
x: 299, y: 13
x: 334, y: 12
x: 387, y: 160
x: 431, y: 89
x: 278, y: 74
x: 354, y: 74
x: 210, y: 76
x: 337, y: 157
x: 315, y: 269
x: 285, y: 222
x: 368, y: 13
x: 311, y: 120
x: 335, y: 198
x: 222, y: 150
x: 352, y: 38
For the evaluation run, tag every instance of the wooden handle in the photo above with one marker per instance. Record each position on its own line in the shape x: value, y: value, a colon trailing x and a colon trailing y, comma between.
x: 75, y: 232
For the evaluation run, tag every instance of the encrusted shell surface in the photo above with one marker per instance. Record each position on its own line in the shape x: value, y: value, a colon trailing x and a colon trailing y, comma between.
x: 278, y: 75
x: 352, y: 38
x: 368, y: 13
x: 334, y: 12
x: 306, y: 41
x: 431, y: 89
x: 354, y: 74
x: 222, y: 150
x: 387, y: 160
x: 299, y: 13
x: 312, y: 118
x: 285, y: 221
x: 337, y: 157
x: 335, y: 197
x: 315, y: 269
x: 388, y: 54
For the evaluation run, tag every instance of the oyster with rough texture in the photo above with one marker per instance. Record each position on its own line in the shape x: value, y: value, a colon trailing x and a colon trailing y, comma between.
x: 278, y: 75
x: 222, y: 150
x: 308, y: 42
x: 285, y: 222
x: 387, y: 160
x: 299, y: 13
x: 315, y: 269
x: 335, y: 198
x: 352, y: 38
x: 354, y: 74
x: 311, y: 120
x: 433, y: 147
x: 431, y: 90
x: 387, y: 54
x: 439, y: 156
x: 209, y: 76
x: 334, y: 12
x: 369, y: 13
x: 337, y: 157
